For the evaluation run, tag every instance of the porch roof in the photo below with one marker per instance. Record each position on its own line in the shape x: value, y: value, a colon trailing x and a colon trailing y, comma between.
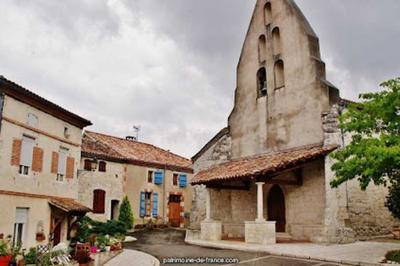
x: 260, y: 165
x: 69, y: 205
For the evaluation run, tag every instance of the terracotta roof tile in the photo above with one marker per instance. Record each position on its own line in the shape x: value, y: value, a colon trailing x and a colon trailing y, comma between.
x: 260, y: 165
x: 133, y: 152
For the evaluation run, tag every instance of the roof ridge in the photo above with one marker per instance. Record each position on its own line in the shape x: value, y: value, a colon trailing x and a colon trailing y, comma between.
x: 140, y: 142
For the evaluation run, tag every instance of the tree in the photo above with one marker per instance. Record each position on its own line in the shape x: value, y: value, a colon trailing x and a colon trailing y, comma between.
x: 125, y: 213
x: 393, y: 201
x: 373, y: 154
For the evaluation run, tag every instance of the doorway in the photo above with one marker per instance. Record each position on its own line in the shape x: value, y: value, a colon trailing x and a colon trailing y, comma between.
x: 276, y: 208
x: 114, y: 209
x: 175, y: 210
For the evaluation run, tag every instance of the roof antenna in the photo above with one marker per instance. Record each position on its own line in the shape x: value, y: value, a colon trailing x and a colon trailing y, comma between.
x: 137, y: 130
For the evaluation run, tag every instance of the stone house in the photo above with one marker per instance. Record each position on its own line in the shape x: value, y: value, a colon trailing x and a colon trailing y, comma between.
x: 156, y: 181
x: 40, y: 149
x: 265, y: 177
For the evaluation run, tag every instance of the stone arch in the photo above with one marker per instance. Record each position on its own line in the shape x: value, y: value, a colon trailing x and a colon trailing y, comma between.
x: 267, y: 13
x: 277, y: 207
x: 262, y: 48
x: 261, y: 82
x: 279, y: 73
x: 276, y: 41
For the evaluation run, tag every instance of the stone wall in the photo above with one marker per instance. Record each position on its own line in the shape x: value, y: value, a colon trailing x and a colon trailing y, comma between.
x: 219, y: 152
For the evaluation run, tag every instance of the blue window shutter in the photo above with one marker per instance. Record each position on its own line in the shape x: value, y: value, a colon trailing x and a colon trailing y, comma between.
x: 155, y: 204
x: 182, y: 180
x: 158, y: 177
x: 142, y: 204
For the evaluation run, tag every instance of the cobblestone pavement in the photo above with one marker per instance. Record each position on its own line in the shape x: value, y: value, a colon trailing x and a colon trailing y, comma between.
x: 168, y: 243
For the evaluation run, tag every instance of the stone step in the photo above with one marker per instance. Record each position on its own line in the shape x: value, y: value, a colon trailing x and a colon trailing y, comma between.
x: 283, y: 236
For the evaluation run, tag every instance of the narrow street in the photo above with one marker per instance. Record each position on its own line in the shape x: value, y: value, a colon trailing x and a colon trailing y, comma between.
x: 169, y: 243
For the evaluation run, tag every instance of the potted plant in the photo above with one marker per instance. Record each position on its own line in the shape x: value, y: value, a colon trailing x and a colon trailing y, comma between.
x: 5, y: 252
x: 14, y: 253
x: 83, y: 258
x: 31, y: 257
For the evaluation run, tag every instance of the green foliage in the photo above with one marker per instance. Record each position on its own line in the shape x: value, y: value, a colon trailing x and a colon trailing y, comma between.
x: 5, y: 246
x: 373, y: 154
x: 125, y: 213
x: 393, y: 256
x: 102, y: 241
x: 31, y: 256
x: 393, y: 201
x: 89, y: 227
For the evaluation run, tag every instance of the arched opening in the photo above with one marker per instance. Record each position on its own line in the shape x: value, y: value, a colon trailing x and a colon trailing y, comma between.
x: 279, y: 71
x: 276, y: 208
x: 267, y: 14
x: 262, y: 49
x: 261, y: 82
x: 276, y: 41
x: 99, y: 199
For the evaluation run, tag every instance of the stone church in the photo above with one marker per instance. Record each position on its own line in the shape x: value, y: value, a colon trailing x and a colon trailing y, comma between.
x: 265, y: 177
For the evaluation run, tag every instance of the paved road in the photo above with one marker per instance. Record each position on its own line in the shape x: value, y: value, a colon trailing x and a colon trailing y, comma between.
x: 168, y: 243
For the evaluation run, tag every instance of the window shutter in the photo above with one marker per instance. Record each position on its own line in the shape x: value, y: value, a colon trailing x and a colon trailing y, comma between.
x: 102, y: 166
x: 87, y: 165
x: 182, y: 180
x: 27, y: 151
x: 158, y: 177
x: 155, y: 205
x: 99, y: 198
x: 70, y: 167
x: 142, y: 204
x: 16, y: 152
x: 37, y: 163
x: 54, y: 162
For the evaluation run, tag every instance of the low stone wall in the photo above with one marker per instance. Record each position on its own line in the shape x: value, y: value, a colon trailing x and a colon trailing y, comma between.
x: 211, y: 230
x: 260, y: 233
x: 233, y: 230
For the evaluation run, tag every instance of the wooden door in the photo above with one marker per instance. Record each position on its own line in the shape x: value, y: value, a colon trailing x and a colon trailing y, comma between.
x: 175, y: 210
x: 276, y: 208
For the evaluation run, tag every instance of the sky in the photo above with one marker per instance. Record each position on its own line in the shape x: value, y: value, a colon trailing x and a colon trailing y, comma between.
x: 169, y: 65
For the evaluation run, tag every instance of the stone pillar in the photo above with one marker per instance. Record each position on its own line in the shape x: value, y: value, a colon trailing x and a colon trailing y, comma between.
x: 208, y: 205
x: 260, y: 200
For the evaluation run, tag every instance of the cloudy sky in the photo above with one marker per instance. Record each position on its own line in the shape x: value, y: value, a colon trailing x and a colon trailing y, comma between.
x: 169, y: 65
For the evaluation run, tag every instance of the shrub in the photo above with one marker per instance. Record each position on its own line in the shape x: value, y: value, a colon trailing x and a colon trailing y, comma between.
x: 125, y: 213
x: 393, y: 256
x: 31, y: 256
x: 393, y: 201
x: 89, y: 227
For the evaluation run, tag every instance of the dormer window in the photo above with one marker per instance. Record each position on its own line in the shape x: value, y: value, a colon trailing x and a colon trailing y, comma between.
x: 32, y: 120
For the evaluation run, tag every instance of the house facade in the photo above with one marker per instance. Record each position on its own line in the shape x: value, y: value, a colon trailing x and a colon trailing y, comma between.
x: 265, y: 177
x: 156, y: 181
x: 40, y: 148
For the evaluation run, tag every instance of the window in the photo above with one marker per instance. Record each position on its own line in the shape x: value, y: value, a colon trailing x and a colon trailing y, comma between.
x: 87, y: 165
x: 26, y: 155
x: 175, y: 179
x: 102, y: 166
x: 262, y: 82
x: 267, y: 14
x: 148, y: 203
x: 62, y: 161
x: 150, y: 177
x: 66, y: 132
x: 262, y: 49
x: 21, y: 218
x: 279, y: 74
x: 99, y: 198
x: 32, y: 120
x: 276, y: 41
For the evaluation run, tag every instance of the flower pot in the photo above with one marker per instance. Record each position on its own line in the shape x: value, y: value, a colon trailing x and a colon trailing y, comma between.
x: 5, y: 260
x: 108, y: 248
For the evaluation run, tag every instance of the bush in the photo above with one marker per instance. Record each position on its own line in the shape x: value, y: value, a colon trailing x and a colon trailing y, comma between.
x: 89, y: 227
x: 393, y: 201
x: 393, y: 256
x: 31, y: 256
x: 125, y: 213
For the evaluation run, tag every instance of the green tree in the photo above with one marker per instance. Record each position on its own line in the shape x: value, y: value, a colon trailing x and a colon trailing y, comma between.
x: 373, y: 154
x: 125, y: 213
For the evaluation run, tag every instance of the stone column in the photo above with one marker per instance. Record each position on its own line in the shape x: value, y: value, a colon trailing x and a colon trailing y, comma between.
x: 260, y: 200
x: 208, y: 205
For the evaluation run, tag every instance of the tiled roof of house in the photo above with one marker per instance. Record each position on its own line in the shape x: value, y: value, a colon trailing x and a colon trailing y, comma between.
x: 106, y: 147
x: 260, y: 165
x: 66, y: 204
x: 21, y: 94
